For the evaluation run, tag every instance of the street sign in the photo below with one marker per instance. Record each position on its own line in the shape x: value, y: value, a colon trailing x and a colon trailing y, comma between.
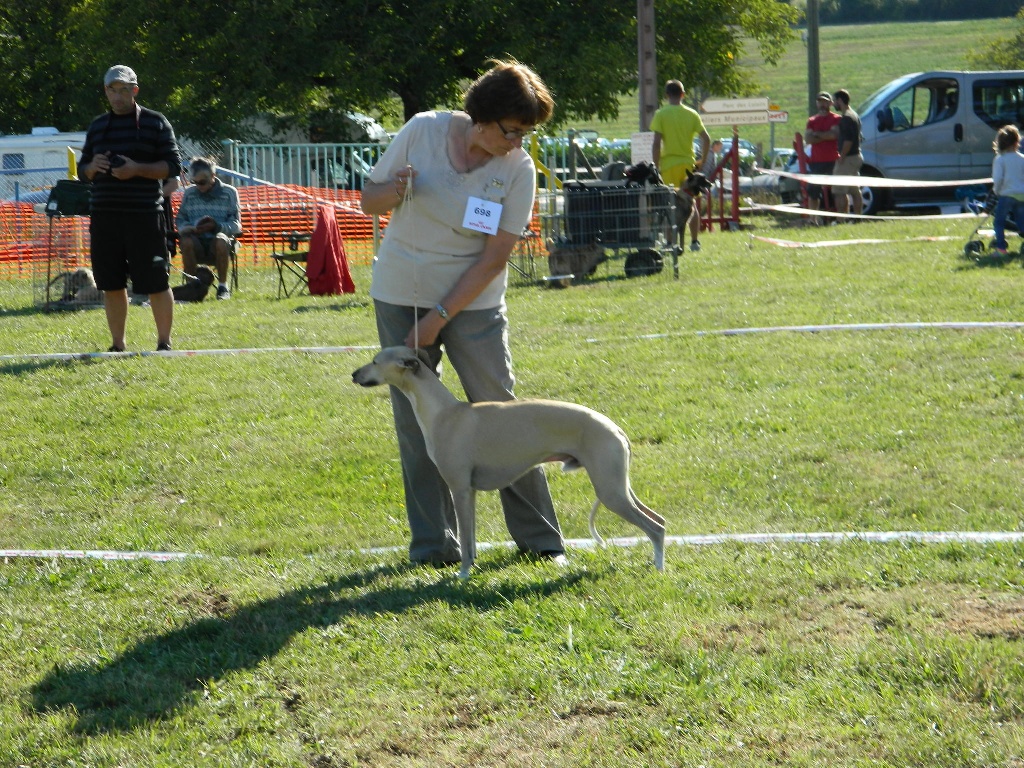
x: 735, y: 105
x: 778, y: 116
x: 759, y: 117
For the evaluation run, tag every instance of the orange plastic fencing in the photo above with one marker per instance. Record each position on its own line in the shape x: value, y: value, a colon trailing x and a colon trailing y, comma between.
x: 25, y: 234
x: 26, y: 238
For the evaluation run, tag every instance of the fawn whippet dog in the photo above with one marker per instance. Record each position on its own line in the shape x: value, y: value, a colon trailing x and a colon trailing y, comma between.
x: 486, y: 446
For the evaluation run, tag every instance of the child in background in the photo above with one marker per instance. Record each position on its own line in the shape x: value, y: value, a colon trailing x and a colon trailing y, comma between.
x: 1007, y: 183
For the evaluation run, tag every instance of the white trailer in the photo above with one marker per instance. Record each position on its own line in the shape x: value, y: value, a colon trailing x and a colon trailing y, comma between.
x: 32, y: 162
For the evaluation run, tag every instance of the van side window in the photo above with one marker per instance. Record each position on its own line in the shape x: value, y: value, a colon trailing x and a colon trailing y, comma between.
x: 999, y: 102
x: 945, y: 104
x: 927, y: 102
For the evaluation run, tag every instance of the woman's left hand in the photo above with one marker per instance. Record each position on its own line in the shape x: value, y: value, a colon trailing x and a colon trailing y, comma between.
x: 425, y: 332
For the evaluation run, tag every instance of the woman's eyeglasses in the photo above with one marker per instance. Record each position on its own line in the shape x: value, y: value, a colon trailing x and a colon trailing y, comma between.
x: 512, y: 135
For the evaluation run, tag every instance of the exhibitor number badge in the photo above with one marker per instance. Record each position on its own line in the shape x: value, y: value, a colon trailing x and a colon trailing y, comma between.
x: 482, y: 216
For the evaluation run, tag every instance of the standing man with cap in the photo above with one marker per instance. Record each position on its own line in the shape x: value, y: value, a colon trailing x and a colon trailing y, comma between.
x: 675, y: 126
x: 850, y: 159
x: 128, y: 153
x: 821, y: 136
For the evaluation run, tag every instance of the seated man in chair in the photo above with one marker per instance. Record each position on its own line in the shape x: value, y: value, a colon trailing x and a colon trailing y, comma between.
x: 208, y: 222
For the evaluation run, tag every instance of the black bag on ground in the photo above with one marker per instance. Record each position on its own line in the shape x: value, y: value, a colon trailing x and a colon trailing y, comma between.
x: 646, y: 261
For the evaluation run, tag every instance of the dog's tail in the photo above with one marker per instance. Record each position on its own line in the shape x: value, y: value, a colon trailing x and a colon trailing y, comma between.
x: 593, y: 525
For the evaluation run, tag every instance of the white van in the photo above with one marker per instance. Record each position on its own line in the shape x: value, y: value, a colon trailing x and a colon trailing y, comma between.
x: 34, y: 161
x: 936, y: 126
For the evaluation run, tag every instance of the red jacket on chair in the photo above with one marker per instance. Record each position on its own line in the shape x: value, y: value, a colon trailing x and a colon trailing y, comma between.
x: 327, y: 265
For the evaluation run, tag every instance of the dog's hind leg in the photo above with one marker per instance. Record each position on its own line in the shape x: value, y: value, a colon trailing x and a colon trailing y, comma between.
x: 610, y: 477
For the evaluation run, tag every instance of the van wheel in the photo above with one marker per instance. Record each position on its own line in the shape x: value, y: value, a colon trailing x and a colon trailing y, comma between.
x: 876, y: 199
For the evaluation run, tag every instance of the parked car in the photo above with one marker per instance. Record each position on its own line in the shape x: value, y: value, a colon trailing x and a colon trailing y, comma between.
x: 779, y: 157
x: 770, y: 184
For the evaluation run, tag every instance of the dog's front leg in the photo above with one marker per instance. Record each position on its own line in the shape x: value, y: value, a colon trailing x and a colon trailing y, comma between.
x: 465, y: 514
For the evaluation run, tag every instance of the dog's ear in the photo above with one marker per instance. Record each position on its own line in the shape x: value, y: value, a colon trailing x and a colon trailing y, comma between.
x: 412, y: 363
x: 422, y: 358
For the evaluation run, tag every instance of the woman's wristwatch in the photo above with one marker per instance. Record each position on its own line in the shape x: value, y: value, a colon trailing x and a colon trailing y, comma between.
x: 441, y: 311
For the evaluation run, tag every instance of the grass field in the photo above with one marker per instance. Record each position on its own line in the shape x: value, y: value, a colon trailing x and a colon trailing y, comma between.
x: 860, y: 58
x: 280, y: 644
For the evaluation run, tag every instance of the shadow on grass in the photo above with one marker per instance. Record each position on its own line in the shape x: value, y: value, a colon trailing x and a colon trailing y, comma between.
x: 159, y: 675
x: 336, y: 307
x: 990, y: 259
x: 36, y: 364
x: 23, y: 312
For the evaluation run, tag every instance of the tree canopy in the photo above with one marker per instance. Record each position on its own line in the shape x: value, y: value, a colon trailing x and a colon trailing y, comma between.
x: 210, y: 67
x: 1004, y: 52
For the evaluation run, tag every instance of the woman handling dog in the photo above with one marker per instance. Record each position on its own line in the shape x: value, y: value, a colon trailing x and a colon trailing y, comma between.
x: 460, y: 191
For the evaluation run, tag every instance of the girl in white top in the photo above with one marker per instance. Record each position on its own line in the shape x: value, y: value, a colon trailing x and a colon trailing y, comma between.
x: 460, y: 191
x: 1007, y: 183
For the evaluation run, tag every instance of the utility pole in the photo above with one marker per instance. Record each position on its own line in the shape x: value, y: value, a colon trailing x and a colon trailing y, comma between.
x: 647, y: 62
x: 813, y: 59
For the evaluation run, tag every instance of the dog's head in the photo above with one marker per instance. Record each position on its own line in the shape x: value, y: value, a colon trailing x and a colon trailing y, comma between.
x: 696, y: 183
x: 393, y: 365
x: 82, y: 278
x: 643, y: 173
x: 204, y: 275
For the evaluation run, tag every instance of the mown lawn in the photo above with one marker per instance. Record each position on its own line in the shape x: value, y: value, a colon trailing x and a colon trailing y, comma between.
x: 282, y: 642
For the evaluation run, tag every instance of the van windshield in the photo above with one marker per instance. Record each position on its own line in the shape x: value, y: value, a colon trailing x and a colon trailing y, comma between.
x: 870, y: 104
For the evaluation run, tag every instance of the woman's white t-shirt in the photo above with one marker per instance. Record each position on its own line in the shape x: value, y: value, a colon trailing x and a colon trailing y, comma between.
x: 425, y: 249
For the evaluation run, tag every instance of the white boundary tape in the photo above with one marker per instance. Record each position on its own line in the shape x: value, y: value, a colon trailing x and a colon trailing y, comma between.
x: 92, y: 554
x: 954, y: 326
x: 69, y: 356
x: 950, y: 325
x: 828, y: 180
x: 860, y: 241
x: 812, y: 537
x: 693, y: 540
x: 796, y: 210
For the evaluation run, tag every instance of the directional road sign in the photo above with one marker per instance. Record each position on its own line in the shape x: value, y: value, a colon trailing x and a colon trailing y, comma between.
x: 736, y: 105
x: 759, y: 117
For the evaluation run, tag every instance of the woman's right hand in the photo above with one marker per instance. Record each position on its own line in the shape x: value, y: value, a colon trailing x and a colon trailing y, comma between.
x: 404, y: 181
x: 379, y: 199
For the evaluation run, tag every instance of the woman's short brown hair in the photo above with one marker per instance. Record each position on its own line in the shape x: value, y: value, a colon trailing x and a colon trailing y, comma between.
x: 509, y: 90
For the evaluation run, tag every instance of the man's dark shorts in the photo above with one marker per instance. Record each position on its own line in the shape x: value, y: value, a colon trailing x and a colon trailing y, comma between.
x: 205, y: 254
x: 127, y: 245
x: 814, y: 191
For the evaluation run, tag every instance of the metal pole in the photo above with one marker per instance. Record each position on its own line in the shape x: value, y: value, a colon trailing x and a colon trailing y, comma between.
x: 813, y: 59
x: 647, y: 62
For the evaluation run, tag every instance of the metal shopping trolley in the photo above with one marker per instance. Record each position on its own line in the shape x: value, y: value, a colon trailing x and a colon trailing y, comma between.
x: 598, y: 221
